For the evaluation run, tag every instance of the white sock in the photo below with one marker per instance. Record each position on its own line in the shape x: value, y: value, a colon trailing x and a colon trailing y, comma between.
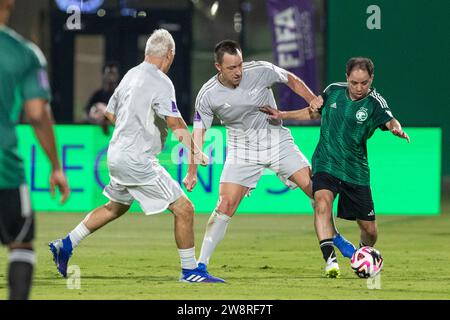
x: 187, y: 257
x: 78, y: 234
x: 215, y: 231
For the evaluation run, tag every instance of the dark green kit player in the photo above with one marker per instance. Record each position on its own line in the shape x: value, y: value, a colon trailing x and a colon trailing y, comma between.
x: 351, y: 112
x: 23, y: 84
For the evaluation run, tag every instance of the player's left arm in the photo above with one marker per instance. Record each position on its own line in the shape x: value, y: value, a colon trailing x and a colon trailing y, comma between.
x: 299, y: 87
x: 35, y: 91
x: 396, y: 128
x: 39, y: 115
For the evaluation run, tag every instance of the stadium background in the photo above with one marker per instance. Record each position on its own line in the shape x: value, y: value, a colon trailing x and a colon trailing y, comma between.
x: 410, y: 53
x: 417, y: 96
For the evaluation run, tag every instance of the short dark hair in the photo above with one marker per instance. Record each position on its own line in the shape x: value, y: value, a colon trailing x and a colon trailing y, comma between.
x: 225, y: 46
x: 360, y: 63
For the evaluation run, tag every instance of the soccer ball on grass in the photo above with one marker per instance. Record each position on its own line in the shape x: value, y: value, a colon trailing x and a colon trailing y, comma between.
x: 367, y: 262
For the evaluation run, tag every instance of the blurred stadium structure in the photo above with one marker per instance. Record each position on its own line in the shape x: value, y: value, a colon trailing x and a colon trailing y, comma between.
x: 410, y: 50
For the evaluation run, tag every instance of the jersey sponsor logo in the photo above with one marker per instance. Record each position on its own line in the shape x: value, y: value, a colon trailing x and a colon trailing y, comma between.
x: 174, y: 107
x: 333, y: 105
x: 362, y: 115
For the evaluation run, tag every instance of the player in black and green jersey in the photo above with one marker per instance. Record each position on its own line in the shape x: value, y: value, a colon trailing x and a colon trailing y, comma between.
x: 23, y: 83
x: 351, y: 112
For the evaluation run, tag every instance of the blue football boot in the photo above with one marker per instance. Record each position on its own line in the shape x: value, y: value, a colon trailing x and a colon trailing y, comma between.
x: 62, y: 251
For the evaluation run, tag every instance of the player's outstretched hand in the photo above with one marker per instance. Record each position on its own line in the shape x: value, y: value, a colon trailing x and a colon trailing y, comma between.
x: 272, y: 112
x: 190, y: 181
x: 400, y: 133
x: 58, y: 179
x: 316, y: 104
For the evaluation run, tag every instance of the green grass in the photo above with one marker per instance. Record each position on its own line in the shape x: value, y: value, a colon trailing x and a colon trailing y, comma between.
x: 262, y: 257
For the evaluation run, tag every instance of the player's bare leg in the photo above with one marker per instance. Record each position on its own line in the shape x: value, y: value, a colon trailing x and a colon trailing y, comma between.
x: 183, y: 211
x: 324, y: 230
x: 230, y: 196
x: 345, y: 247
x: 323, y: 214
x: 62, y: 248
x: 103, y: 215
x: 20, y: 270
x: 302, y: 178
x: 369, y: 232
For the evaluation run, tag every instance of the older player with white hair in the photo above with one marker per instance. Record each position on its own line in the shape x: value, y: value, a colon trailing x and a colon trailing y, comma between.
x: 142, y: 107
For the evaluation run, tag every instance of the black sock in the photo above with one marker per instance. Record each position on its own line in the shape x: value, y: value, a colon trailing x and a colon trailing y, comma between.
x: 20, y: 274
x: 327, y: 248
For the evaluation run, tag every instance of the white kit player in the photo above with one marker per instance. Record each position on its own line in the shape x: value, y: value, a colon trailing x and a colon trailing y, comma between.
x: 255, y: 142
x: 142, y: 107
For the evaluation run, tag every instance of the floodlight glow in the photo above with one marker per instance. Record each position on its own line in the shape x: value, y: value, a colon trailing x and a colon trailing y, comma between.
x: 214, y: 8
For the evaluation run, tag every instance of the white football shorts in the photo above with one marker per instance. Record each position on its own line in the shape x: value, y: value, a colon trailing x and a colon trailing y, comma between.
x: 246, y: 168
x: 154, y: 197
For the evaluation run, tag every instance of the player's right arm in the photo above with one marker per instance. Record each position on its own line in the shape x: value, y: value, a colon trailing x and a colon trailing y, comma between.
x: 313, y: 112
x: 110, y: 111
x: 111, y: 117
x: 301, y: 114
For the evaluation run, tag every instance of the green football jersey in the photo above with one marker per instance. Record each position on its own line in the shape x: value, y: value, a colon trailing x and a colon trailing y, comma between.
x: 23, y: 76
x: 346, y: 127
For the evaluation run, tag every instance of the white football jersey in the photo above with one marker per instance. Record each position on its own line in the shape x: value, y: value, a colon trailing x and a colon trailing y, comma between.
x: 143, y: 99
x: 238, y: 108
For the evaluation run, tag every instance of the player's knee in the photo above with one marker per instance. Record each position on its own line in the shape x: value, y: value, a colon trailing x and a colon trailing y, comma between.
x: 189, y: 208
x: 114, y: 209
x: 183, y: 208
x: 227, y: 205
x: 322, y: 207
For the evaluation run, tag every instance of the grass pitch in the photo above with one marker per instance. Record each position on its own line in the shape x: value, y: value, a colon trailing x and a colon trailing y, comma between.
x: 262, y: 257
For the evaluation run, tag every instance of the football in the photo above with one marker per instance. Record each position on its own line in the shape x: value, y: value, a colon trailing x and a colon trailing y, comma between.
x: 367, y: 262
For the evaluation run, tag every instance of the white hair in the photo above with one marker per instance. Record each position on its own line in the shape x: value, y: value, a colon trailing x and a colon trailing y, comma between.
x: 159, y: 43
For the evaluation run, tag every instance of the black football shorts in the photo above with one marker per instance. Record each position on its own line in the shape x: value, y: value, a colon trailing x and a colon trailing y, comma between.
x: 16, y: 216
x: 355, y: 201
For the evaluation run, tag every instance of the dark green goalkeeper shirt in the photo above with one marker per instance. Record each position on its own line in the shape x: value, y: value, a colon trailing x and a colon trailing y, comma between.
x: 346, y: 127
x: 23, y: 77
